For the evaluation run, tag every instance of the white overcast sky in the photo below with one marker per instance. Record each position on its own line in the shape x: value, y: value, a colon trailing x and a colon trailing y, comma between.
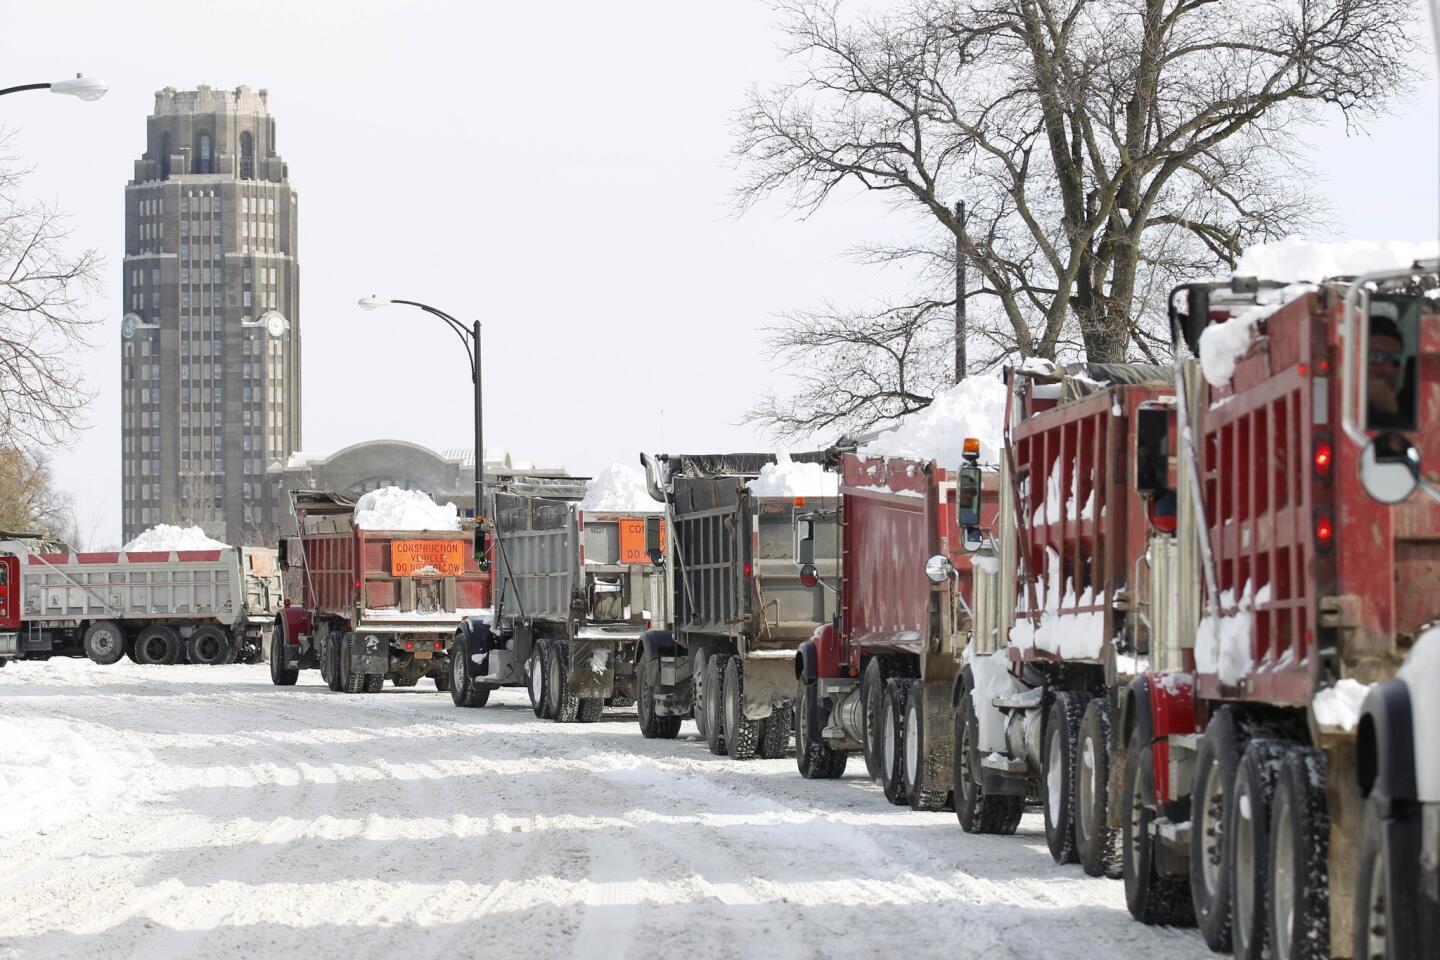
x: 560, y: 170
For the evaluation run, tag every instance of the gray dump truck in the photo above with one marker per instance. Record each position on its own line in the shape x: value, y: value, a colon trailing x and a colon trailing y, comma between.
x: 739, y: 607
x: 574, y: 591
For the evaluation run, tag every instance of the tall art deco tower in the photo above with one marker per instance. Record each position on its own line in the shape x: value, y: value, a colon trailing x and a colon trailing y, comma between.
x: 210, y: 335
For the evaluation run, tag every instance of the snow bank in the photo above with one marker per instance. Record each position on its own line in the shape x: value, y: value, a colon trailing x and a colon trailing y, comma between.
x: 974, y: 407
x: 1223, y: 644
x: 52, y: 772
x: 1060, y: 630
x: 786, y: 478
x: 618, y: 489
x: 168, y: 537
x: 1339, y: 706
x: 391, y: 508
x: 1296, y: 259
x: 1223, y: 344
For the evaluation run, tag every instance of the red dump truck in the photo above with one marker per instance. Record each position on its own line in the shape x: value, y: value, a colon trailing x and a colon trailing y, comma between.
x: 375, y: 604
x: 878, y: 678
x: 1058, y: 629
x: 1260, y: 799
x: 155, y: 606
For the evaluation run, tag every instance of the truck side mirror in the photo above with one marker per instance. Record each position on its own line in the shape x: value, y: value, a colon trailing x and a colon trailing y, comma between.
x: 652, y: 541
x: 284, y: 553
x: 1389, y: 468
x: 805, y: 542
x: 967, y: 504
x: 1152, y: 450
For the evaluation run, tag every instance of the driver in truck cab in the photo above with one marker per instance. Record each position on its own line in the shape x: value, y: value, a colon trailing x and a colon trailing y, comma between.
x: 1389, y: 388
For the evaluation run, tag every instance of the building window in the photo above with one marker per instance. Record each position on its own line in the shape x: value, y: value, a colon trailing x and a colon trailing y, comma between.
x: 203, y: 161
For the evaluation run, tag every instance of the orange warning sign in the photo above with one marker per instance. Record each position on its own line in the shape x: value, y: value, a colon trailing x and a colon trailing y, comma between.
x: 427, y: 558
x: 632, y: 540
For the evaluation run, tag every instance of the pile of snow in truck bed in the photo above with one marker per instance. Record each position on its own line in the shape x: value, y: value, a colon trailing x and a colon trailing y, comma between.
x: 1296, y: 259
x: 786, y: 478
x: 391, y: 508
x: 974, y: 407
x: 169, y: 537
x: 618, y: 488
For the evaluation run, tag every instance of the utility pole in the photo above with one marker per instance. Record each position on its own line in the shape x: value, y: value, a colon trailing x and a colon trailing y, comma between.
x: 960, y: 293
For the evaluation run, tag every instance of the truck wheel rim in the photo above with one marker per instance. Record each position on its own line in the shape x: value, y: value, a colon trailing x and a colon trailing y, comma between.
x: 1282, y: 882
x: 537, y: 689
x: 1054, y: 781
x: 207, y: 648
x: 1212, y: 829
x: 1244, y: 864
x: 1377, y: 937
x: 104, y: 642
x: 912, y: 746
x: 1089, y: 786
x: 1137, y: 821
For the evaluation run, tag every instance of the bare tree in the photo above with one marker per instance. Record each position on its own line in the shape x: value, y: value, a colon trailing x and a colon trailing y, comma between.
x: 1103, y: 147
x: 29, y: 502
x: 43, y: 320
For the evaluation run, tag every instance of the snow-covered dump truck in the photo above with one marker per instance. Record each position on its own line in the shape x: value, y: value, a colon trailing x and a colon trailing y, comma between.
x: 738, y: 609
x: 574, y: 590
x: 1058, y: 630
x: 879, y: 679
x: 1258, y: 799
x: 156, y: 606
x: 375, y: 603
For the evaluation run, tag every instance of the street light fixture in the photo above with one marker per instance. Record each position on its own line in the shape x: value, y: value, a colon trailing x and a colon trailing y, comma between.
x: 471, y: 340
x: 81, y: 86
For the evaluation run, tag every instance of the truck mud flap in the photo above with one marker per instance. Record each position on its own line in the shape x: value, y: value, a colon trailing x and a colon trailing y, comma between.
x: 769, y: 682
x: 592, y: 668
x: 369, y: 654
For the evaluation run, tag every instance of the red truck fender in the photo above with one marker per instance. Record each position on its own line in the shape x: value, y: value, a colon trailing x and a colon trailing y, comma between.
x: 1172, y: 710
x: 293, y: 622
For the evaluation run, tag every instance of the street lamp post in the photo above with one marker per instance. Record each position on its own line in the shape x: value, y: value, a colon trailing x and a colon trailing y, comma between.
x: 86, y: 88
x: 471, y: 339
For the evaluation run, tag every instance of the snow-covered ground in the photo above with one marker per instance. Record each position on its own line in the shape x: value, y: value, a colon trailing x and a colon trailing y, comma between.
x: 198, y: 811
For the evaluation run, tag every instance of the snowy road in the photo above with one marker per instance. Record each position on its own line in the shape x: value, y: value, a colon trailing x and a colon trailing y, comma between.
x: 189, y: 811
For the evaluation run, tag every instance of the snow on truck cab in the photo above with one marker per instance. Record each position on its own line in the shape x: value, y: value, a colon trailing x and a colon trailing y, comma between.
x: 159, y: 606
x: 1276, y: 759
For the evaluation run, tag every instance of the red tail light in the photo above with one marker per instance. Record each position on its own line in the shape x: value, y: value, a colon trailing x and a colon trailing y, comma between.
x: 409, y: 644
x: 1324, y: 531
x: 748, y: 570
x: 1324, y: 456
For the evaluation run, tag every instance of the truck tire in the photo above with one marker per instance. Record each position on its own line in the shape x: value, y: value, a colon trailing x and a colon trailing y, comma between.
x: 591, y: 710
x: 1389, y: 897
x: 652, y: 725
x: 892, y: 732
x: 775, y: 733
x: 464, y: 692
x: 714, y: 704
x: 331, y: 655
x: 157, y: 645
x: 564, y: 705
x: 1249, y: 843
x: 916, y: 764
x: 872, y: 692
x: 742, y: 735
x: 539, y: 683
x: 1211, y: 813
x: 814, y: 757
x: 977, y: 811
x: 211, y: 645
x: 280, y: 676
x: 1152, y: 897
x: 375, y: 682
x: 104, y: 643
x: 350, y: 681
x: 1096, y: 841
x: 1062, y: 737
x: 1298, y: 910
x: 699, y: 664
